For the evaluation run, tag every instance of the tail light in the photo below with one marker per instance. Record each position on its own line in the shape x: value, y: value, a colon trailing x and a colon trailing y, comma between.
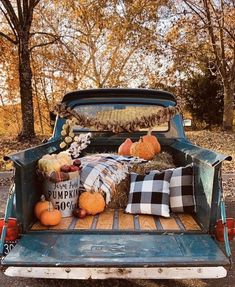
x: 12, y: 229
x: 219, y: 229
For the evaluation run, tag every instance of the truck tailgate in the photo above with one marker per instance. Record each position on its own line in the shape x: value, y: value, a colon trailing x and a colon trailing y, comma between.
x: 112, y: 249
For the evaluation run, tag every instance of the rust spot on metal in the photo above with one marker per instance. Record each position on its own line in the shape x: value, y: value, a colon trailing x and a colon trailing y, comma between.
x: 67, y: 270
x: 123, y: 271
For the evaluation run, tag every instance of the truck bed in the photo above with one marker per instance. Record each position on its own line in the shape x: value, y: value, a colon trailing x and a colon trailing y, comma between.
x: 114, y: 244
x: 116, y: 219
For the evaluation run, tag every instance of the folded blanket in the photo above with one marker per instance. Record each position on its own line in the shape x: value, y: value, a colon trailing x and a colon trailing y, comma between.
x: 100, y: 172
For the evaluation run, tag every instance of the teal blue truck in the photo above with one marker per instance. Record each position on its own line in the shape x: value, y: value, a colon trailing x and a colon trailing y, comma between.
x: 183, y: 247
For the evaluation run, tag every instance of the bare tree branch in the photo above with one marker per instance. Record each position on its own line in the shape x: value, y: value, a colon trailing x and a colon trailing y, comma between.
x: 34, y: 3
x: 212, y: 35
x: 9, y: 8
x: 125, y: 62
x: 20, y: 12
x: 8, y: 38
x: 25, y: 7
x: 43, y: 33
x: 44, y: 44
x: 78, y: 30
x: 9, y: 23
x: 85, y: 70
x: 67, y: 47
x: 194, y: 9
x: 230, y: 34
x: 113, y: 58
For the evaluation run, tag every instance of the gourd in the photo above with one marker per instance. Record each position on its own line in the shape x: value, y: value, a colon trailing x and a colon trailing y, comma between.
x: 64, y: 158
x: 79, y: 212
x: 141, y: 149
x: 92, y: 202
x: 149, y: 138
x: 49, y: 163
x: 124, y: 148
x: 50, y: 216
x: 41, y: 206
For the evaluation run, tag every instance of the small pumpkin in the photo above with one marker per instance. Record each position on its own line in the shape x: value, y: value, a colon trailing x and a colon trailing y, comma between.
x: 154, y: 141
x: 124, y: 148
x: 141, y: 149
x: 41, y: 206
x: 92, y: 202
x: 51, y: 216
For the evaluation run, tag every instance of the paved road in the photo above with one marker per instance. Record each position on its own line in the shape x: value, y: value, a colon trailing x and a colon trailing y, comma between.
x: 229, y: 281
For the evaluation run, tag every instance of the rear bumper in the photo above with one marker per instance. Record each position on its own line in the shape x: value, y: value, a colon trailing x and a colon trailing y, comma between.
x: 120, y: 273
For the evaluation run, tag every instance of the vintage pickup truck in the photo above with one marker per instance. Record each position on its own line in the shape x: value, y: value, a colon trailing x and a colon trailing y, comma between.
x: 182, y: 247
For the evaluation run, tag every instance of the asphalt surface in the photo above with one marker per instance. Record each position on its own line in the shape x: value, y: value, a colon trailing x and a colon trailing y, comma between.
x: 5, y: 281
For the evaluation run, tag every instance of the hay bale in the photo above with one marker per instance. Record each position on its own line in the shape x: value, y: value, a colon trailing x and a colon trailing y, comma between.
x: 120, y: 191
x: 160, y: 162
x: 120, y: 194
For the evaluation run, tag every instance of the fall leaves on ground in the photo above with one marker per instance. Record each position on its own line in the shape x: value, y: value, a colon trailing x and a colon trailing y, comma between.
x: 221, y: 142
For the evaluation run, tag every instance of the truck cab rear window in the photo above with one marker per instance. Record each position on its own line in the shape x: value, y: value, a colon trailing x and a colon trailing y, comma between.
x: 119, y: 113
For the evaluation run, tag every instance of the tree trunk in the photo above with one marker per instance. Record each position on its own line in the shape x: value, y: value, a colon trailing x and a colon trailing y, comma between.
x: 228, y: 106
x: 38, y: 106
x: 26, y: 94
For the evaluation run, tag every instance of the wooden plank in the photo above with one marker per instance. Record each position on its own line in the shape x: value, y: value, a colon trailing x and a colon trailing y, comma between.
x: 188, y: 222
x: 84, y: 223
x: 64, y: 224
x: 105, y: 220
x: 126, y: 221
x: 169, y: 223
x: 147, y: 222
x: 38, y: 226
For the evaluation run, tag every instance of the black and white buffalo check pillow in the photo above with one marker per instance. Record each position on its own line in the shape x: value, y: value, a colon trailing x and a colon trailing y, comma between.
x: 149, y: 194
x: 181, y: 190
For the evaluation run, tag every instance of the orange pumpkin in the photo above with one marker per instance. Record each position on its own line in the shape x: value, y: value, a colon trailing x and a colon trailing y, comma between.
x: 51, y: 216
x: 124, y: 148
x: 92, y: 202
x: 153, y: 140
x: 141, y: 149
x: 41, y: 206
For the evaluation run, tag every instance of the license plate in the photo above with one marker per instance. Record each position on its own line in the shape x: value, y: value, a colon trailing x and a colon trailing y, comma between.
x: 8, y: 246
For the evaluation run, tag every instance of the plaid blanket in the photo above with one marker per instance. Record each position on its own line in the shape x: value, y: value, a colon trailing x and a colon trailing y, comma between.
x: 100, y: 172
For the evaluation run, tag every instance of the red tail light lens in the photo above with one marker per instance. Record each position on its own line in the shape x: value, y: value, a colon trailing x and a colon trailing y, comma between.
x: 12, y: 229
x: 219, y: 229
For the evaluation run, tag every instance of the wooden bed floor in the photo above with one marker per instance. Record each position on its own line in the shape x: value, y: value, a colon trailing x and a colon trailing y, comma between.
x: 116, y: 219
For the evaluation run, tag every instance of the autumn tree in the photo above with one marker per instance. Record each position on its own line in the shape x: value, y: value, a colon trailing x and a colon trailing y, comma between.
x: 16, y: 29
x: 19, y: 17
x: 9, y: 86
x: 204, y: 31
x: 101, y: 44
x: 106, y: 43
x: 203, y: 91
